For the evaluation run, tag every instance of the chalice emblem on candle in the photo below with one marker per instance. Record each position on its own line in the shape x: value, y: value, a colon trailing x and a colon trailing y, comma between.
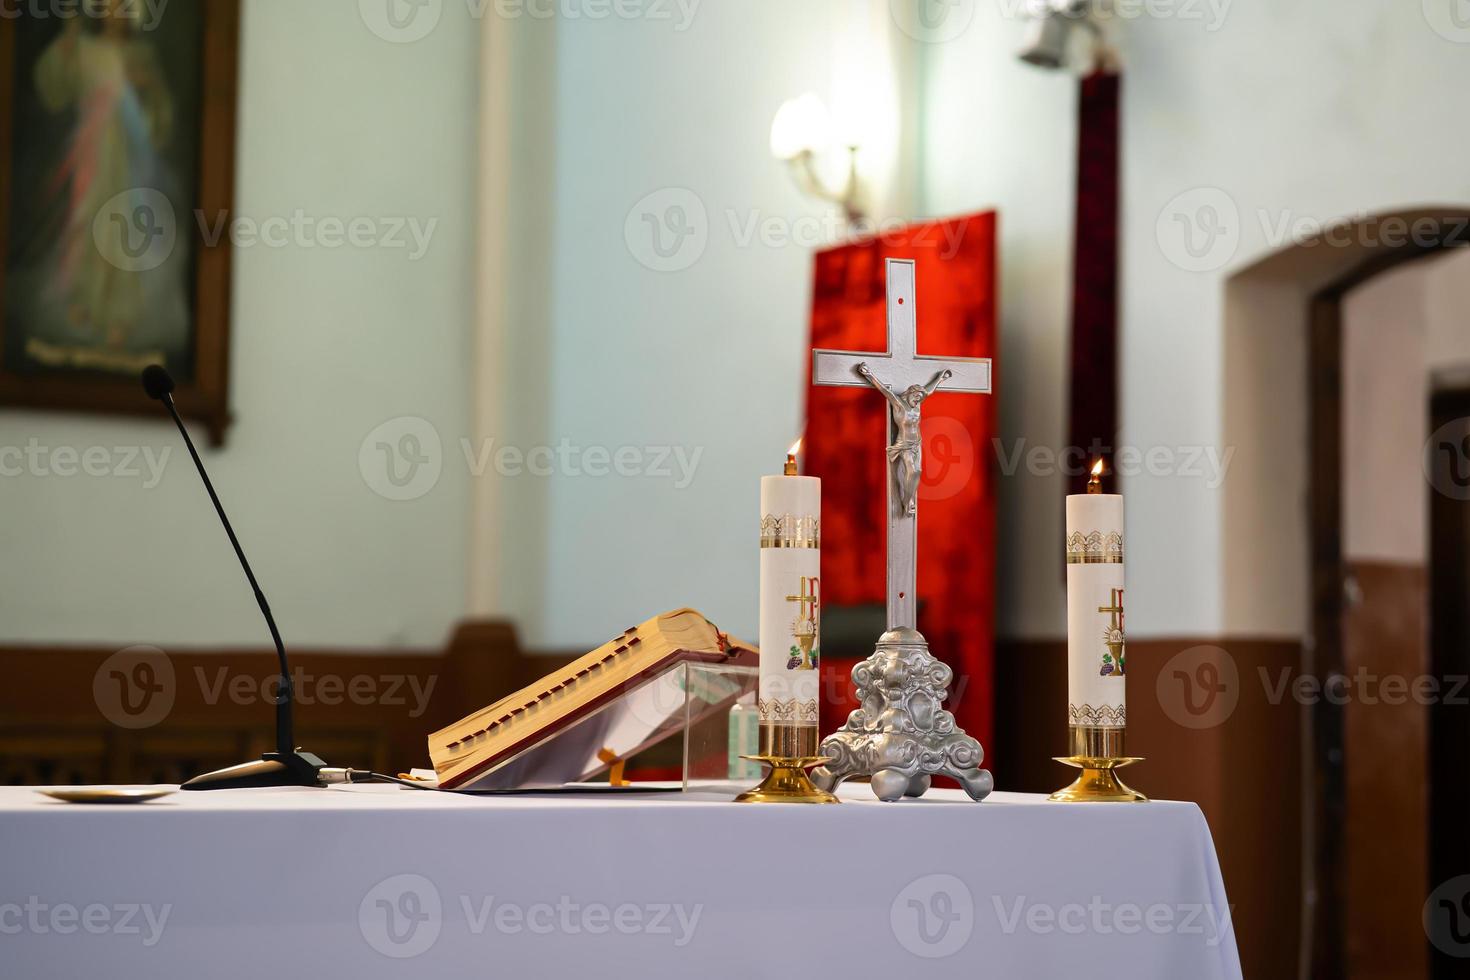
x: 1113, y: 662
x: 804, y: 653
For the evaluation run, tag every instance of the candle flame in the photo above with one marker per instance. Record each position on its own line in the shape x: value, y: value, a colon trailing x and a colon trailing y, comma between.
x: 1097, y: 468
x: 790, y: 468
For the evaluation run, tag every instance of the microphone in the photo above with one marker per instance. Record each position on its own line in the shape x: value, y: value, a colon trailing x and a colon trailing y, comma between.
x: 287, y: 765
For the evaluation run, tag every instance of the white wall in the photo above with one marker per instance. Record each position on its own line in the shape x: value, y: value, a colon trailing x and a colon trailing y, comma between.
x: 1282, y: 112
x: 1305, y: 109
x: 706, y: 356
x: 1403, y: 330
x: 1265, y: 554
x: 1447, y: 308
x: 998, y: 133
x: 1385, y: 411
x: 341, y: 123
x: 1404, y: 334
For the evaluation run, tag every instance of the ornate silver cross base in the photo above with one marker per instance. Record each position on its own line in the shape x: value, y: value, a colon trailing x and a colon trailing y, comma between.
x: 901, y: 736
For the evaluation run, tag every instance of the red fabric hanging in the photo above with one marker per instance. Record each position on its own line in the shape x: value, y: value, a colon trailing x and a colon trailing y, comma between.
x: 955, y: 266
x: 1094, y: 410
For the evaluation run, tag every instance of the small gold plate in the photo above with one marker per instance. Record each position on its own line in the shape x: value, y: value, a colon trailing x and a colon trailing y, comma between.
x: 138, y: 795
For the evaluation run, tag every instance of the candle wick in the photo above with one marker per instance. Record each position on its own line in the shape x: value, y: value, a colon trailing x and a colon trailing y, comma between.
x: 790, y: 465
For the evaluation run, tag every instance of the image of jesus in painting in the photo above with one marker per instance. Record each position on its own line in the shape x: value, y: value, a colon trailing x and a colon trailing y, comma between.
x: 99, y: 258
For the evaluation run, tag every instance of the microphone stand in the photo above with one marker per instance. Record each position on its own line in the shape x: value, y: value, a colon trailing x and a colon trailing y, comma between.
x: 287, y: 765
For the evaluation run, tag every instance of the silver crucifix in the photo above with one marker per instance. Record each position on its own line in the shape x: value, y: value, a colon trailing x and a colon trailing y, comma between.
x: 901, y: 735
x: 901, y: 369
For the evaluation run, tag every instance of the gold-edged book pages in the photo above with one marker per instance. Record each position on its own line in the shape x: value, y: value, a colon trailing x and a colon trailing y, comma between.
x: 497, y: 746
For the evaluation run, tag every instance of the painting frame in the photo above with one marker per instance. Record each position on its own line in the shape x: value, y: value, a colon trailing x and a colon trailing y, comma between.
x: 205, y: 396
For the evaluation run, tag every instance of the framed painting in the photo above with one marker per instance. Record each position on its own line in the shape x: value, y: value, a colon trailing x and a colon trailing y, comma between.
x: 117, y: 146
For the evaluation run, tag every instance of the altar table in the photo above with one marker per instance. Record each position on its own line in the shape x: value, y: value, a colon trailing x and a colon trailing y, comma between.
x: 366, y: 882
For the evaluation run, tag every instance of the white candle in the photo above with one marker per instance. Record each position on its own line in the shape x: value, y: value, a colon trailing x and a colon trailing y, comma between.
x: 1096, y: 652
x: 790, y: 597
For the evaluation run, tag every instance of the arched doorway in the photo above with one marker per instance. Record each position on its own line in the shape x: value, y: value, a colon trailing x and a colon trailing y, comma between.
x: 1347, y: 574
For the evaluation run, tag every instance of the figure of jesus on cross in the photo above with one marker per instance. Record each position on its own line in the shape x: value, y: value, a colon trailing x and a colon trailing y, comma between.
x: 907, y: 451
x: 901, y: 736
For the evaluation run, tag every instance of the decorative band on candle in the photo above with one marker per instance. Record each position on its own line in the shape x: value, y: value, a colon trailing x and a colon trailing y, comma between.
x: 1095, y: 548
x: 790, y: 711
x: 1102, y: 716
x: 790, y: 531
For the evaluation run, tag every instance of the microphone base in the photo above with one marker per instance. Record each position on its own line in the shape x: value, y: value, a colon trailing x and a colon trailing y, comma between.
x: 273, y: 769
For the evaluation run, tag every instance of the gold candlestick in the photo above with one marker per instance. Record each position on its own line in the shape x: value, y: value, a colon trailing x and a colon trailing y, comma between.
x: 789, y: 751
x: 1099, y: 753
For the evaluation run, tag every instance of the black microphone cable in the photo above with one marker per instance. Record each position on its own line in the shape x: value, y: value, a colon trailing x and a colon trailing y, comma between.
x: 331, y: 775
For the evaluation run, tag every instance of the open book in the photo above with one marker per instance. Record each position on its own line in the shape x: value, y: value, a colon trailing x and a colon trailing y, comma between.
x: 617, y: 700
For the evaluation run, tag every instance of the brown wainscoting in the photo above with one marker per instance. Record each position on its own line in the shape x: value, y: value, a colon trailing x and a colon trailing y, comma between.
x: 1385, y: 862
x: 57, y: 706
x: 1238, y: 757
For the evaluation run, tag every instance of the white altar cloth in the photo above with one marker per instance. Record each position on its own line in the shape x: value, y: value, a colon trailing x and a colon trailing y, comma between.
x: 367, y: 882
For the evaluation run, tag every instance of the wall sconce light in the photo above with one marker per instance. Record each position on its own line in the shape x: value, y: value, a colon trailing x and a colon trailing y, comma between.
x: 803, y: 128
x: 1050, y: 31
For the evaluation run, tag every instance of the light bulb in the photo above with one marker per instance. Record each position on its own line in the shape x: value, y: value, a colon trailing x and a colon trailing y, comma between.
x: 800, y: 125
